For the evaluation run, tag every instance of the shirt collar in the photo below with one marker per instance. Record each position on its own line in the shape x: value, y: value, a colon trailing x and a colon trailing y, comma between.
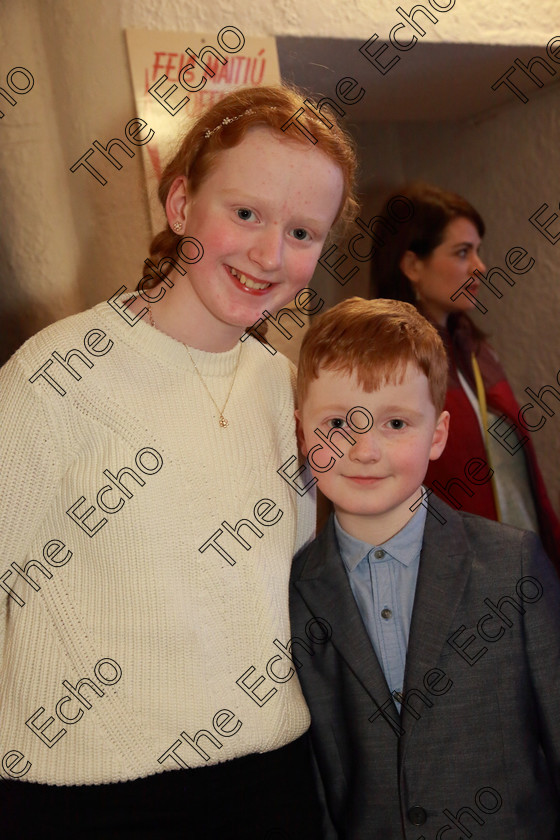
x: 404, y: 546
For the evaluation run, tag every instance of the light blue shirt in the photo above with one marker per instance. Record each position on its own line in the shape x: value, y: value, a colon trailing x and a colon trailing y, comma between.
x: 383, y: 581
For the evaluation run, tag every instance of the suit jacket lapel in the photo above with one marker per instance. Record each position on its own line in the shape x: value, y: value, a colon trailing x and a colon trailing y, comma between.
x: 324, y: 586
x: 445, y: 565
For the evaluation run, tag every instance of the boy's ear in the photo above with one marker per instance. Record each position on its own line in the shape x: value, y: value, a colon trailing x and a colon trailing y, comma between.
x: 177, y: 201
x: 440, y: 436
x: 299, y: 433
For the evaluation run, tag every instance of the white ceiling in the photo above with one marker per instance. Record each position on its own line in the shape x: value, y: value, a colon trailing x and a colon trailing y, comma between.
x: 430, y: 82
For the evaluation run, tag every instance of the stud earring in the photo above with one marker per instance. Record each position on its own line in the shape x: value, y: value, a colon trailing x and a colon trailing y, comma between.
x: 177, y: 227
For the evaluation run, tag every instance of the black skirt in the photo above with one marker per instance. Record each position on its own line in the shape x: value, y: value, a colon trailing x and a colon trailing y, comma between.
x: 269, y: 796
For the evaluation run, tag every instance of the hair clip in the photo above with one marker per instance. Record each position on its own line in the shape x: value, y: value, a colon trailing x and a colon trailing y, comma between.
x: 228, y: 120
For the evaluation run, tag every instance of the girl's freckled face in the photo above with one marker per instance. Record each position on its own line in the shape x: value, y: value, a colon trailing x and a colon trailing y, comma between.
x: 262, y: 216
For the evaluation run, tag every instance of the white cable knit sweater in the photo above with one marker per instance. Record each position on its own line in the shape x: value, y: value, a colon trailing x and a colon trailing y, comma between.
x: 125, y: 649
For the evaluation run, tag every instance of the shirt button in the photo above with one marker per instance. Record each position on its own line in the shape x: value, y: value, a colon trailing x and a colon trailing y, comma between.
x: 417, y: 815
x: 386, y: 613
x: 379, y: 553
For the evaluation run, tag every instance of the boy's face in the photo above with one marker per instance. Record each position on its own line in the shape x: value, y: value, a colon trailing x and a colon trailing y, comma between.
x: 378, y: 478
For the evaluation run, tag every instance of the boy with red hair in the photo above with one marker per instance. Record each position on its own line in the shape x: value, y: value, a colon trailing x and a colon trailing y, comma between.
x: 435, y: 705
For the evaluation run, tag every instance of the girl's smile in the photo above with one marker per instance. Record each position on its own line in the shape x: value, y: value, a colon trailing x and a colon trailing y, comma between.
x: 249, y: 283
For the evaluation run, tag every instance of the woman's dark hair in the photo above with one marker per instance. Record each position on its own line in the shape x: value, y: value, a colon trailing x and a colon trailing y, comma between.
x: 434, y: 209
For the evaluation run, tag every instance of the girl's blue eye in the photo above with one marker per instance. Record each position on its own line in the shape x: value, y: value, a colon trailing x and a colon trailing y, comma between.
x: 244, y: 213
x: 300, y: 234
x: 336, y: 423
x: 397, y: 424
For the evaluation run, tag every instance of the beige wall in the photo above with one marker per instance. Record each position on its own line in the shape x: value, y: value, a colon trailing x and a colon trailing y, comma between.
x: 507, y: 165
x: 66, y: 242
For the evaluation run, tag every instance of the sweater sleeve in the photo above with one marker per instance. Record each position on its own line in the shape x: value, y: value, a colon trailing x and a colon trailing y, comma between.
x: 542, y: 634
x: 306, y: 505
x: 29, y: 473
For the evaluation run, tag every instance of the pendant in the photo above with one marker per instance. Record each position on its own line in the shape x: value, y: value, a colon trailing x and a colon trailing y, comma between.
x: 223, y: 421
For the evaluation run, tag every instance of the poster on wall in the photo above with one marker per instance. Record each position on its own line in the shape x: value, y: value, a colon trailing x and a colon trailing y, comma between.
x: 165, y: 67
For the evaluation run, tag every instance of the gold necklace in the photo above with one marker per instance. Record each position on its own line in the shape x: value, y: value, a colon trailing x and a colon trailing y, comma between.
x: 223, y: 421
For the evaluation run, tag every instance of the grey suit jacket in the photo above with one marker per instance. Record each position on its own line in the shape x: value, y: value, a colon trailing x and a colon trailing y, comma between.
x: 476, y: 751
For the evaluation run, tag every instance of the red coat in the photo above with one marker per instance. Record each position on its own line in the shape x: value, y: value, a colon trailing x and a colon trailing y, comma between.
x: 466, y: 442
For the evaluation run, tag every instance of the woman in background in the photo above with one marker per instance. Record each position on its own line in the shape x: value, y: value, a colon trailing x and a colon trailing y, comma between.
x: 425, y: 262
